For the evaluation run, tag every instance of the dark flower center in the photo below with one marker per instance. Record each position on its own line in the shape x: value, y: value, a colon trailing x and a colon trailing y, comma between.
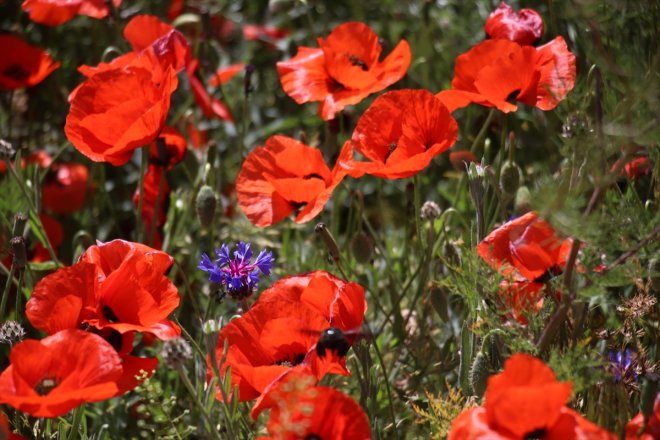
x: 16, y: 72
x: 357, y: 62
x: 512, y: 96
x: 535, y: 435
x: 312, y: 176
x: 390, y: 149
x: 313, y: 437
x: 109, y: 314
x: 46, y: 385
x: 291, y: 360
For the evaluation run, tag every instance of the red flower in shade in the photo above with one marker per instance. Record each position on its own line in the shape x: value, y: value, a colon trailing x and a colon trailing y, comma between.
x: 460, y: 160
x: 652, y: 431
x: 155, y: 185
x: 56, y: 12
x: 526, y: 246
x: 65, y: 187
x: 495, y: 72
x: 55, y: 235
x: 345, y: 70
x: 520, y: 299
x: 282, y: 328
x: 282, y: 176
x: 304, y: 411
x: 23, y: 65
x: 169, y: 148
x: 636, y: 168
x: 210, y: 106
x: 48, y: 378
x: 525, y: 401
x: 5, y: 430
x: 525, y: 27
x: 117, y: 285
x: 400, y: 133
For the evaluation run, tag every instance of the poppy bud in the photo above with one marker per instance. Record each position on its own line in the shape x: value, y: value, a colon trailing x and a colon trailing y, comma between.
x: 523, y: 201
x: 510, y: 177
x: 7, y: 151
x: 322, y: 230
x: 19, y: 252
x: 205, y: 205
x: 20, y: 219
x: 11, y: 332
x: 654, y: 275
x: 479, y: 374
x: 362, y: 247
x: 176, y: 352
x: 430, y: 211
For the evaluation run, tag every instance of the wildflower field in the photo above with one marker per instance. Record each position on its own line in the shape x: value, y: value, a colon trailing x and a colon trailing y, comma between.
x: 315, y: 220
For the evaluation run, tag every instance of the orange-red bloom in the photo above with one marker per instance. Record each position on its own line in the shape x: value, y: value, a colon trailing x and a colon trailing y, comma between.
x: 23, y: 65
x: 281, y: 177
x: 169, y: 148
x: 344, y: 70
x: 652, y: 431
x: 156, y: 192
x: 117, y: 285
x: 50, y: 377
x: 268, y: 34
x: 304, y: 411
x: 65, y: 187
x: 211, y: 107
x: 525, y: 401
x: 525, y: 27
x: 400, y: 133
x: 281, y: 329
x: 56, y: 12
x: 526, y: 246
x: 497, y: 73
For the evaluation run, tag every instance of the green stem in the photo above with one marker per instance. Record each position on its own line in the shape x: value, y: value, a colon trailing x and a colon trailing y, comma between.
x: 77, y: 417
x: 482, y: 131
x: 5, y: 293
x: 202, y: 408
x: 138, y: 215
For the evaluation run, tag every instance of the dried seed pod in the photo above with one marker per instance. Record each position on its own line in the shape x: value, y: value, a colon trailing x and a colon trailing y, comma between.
x: 205, y: 205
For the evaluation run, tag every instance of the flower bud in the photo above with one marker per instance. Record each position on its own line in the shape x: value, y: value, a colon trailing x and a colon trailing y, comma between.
x: 176, y: 352
x: 20, y: 220
x: 430, y: 211
x: 322, y: 230
x: 205, y: 205
x: 510, y: 178
x: 479, y: 374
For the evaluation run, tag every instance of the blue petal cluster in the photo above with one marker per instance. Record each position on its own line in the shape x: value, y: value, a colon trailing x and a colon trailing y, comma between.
x: 238, y: 274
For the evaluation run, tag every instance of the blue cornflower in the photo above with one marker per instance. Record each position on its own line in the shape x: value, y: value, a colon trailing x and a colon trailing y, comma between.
x: 238, y: 275
x: 621, y: 363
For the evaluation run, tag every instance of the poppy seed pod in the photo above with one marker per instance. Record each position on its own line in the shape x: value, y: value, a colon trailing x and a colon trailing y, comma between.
x: 510, y: 178
x: 7, y: 150
x: 479, y: 374
x: 11, y: 332
x: 19, y: 252
x: 20, y: 220
x: 205, y: 205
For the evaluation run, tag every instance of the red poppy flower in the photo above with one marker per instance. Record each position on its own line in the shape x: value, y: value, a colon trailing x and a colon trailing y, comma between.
x: 65, y: 187
x: 400, y: 133
x: 155, y: 185
x: 109, y: 119
x: 267, y: 33
x: 345, y: 70
x: 56, y: 12
x: 23, y: 65
x: 527, y: 246
x: 520, y: 299
x: 652, y: 431
x: 54, y: 233
x: 525, y: 27
x: 50, y: 377
x: 5, y: 429
x: 525, y: 401
x: 117, y: 285
x: 636, y: 168
x: 169, y: 148
x: 495, y: 72
x: 282, y: 176
x: 306, y: 411
x: 210, y: 106
x: 281, y: 329
x: 175, y: 9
